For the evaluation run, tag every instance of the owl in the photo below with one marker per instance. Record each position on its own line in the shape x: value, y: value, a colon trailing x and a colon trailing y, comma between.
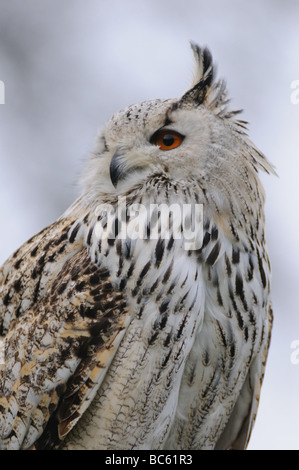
x: 141, y: 319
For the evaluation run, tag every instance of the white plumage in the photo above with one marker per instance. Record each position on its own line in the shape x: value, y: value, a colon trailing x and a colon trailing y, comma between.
x: 120, y: 342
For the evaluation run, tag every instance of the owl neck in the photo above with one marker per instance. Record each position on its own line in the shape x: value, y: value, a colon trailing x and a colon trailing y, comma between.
x: 126, y: 224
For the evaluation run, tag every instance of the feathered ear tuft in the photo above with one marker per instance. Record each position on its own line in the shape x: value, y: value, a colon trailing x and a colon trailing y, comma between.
x: 204, y: 70
x: 203, y: 79
x: 204, y: 89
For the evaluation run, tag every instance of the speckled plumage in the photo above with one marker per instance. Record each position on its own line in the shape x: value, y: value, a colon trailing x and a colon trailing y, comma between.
x: 120, y: 343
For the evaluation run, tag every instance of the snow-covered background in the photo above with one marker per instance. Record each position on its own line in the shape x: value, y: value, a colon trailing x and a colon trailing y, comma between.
x: 68, y: 65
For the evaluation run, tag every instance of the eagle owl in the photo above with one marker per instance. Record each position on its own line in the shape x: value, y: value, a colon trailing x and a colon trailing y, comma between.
x: 114, y: 341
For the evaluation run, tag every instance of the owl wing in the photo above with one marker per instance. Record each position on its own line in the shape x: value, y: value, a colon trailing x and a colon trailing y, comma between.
x: 57, y: 354
x: 237, y: 432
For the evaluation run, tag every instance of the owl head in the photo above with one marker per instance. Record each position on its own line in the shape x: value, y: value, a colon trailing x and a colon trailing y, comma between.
x: 194, y: 137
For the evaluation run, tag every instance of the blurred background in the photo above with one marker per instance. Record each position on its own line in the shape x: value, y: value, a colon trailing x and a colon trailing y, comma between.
x: 68, y: 66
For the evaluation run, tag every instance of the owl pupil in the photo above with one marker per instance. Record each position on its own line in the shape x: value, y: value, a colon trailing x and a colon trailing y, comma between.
x: 168, y: 140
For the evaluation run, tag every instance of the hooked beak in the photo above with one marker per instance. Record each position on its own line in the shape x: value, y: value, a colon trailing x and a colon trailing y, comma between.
x: 117, y: 167
x: 121, y: 167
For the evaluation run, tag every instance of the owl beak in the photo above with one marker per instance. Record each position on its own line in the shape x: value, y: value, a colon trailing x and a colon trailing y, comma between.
x: 121, y: 167
x: 117, y: 167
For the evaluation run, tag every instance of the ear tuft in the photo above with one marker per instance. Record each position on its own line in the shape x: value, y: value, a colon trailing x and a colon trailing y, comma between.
x: 204, y: 70
x: 203, y: 80
x: 205, y: 90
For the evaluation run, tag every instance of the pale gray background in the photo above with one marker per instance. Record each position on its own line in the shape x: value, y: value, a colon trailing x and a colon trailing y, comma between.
x: 68, y: 65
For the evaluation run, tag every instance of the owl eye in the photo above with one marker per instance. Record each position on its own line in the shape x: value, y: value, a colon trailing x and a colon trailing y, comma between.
x: 167, y: 139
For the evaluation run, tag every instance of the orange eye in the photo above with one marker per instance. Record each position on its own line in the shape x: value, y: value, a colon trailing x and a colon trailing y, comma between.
x: 167, y: 139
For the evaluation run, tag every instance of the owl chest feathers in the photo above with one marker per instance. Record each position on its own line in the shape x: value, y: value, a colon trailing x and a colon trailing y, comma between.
x: 192, y: 322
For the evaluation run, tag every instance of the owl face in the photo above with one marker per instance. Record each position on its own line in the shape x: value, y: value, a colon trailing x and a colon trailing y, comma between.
x: 193, y: 137
x: 155, y: 137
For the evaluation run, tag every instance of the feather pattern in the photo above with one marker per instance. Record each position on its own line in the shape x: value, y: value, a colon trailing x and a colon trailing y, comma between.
x: 121, y: 332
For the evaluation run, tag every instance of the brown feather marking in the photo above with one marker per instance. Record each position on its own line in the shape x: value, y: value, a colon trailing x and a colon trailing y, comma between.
x: 90, y: 341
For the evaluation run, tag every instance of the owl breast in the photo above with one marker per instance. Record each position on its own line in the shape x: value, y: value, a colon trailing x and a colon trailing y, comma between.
x: 185, y: 353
